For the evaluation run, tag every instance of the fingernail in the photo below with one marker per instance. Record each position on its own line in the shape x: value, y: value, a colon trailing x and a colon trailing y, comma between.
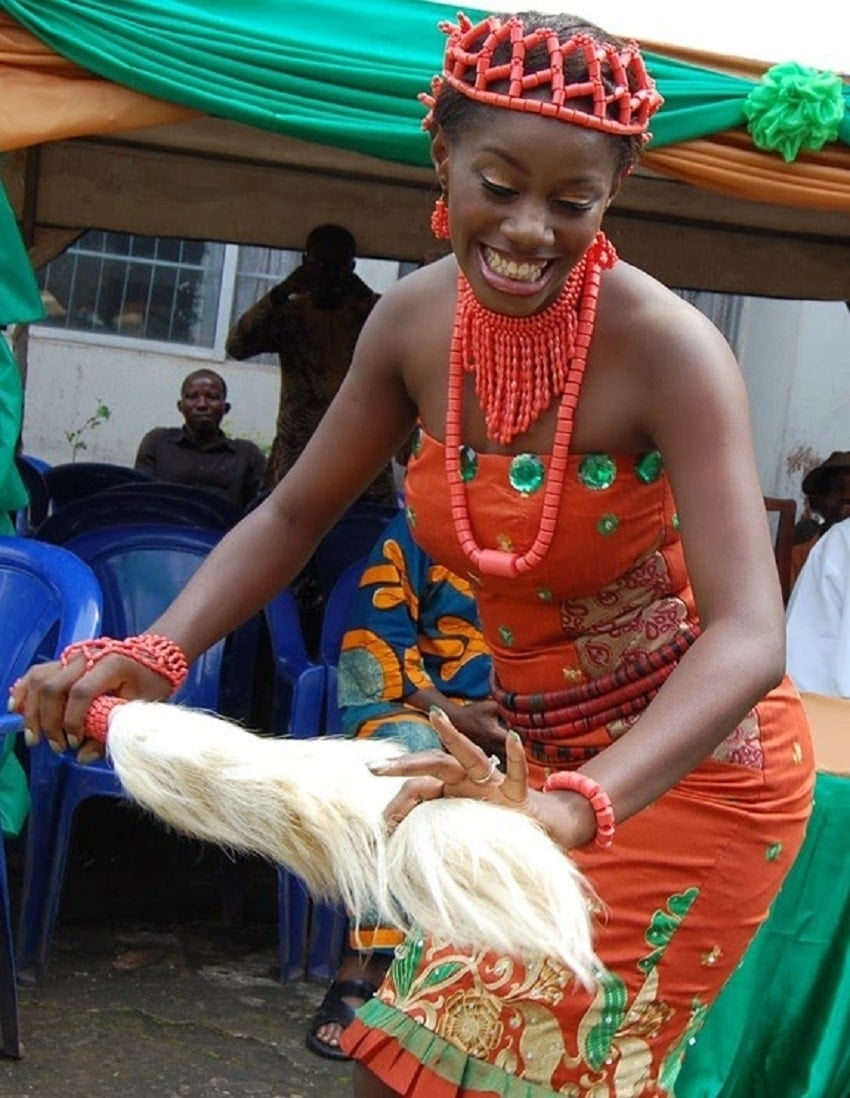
x: 378, y: 764
x: 55, y: 747
x: 30, y: 738
x: 73, y: 742
x: 11, y: 705
x: 87, y: 754
x: 514, y: 735
x: 436, y: 713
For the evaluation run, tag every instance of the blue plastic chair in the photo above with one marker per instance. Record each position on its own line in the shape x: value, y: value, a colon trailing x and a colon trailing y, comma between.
x: 136, y: 503
x: 297, y: 710
x: 83, y: 478
x: 312, y: 933
x: 49, y: 599
x: 141, y: 569
x: 29, y: 518
x: 351, y: 537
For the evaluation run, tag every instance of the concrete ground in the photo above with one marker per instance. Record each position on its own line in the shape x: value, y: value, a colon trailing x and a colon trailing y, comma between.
x: 150, y: 990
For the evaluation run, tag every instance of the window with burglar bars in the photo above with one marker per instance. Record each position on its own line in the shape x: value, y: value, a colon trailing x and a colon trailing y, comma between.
x: 187, y: 292
x: 138, y: 286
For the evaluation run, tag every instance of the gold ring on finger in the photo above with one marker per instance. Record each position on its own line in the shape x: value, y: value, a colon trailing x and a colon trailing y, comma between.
x: 494, y: 766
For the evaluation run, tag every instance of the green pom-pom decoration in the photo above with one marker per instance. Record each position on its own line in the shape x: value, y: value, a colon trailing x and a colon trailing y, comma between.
x: 795, y: 109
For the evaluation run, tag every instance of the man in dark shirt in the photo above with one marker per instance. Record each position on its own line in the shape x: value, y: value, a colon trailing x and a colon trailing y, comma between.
x: 199, y: 453
x: 311, y: 320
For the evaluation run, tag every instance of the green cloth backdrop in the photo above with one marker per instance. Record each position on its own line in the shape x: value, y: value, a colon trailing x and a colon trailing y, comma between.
x: 324, y: 71
x: 781, y: 1026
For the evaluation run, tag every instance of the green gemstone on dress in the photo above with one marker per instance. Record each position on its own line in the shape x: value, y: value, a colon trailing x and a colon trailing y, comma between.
x: 416, y: 442
x: 608, y: 524
x: 648, y: 467
x: 773, y: 852
x: 544, y: 594
x: 468, y: 463
x: 411, y: 515
x: 674, y: 521
x: 526, y: 473
x: 597, y: 472
x: 506, y: 634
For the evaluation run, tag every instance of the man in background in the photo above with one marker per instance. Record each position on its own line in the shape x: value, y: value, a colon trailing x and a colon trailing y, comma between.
x: 827, y: 491
x: 199, y: 453
x: 311, y: 321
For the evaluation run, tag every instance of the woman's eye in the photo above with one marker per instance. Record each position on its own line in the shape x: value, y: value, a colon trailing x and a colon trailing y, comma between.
x: 497, y: 188
x: 573, y: 207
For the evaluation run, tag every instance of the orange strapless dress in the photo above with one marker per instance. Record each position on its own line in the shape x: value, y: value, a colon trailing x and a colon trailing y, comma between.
x: 580, y: 646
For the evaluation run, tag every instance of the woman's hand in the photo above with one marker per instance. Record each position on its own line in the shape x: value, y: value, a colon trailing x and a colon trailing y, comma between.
x: 462, y: 770
x: 54, y: 699
x: 479, y: 722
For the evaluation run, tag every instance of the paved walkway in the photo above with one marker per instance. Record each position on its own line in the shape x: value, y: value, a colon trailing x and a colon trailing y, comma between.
x: 149, y: 993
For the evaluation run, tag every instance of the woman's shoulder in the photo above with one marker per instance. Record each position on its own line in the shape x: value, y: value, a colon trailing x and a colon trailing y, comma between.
x: 417, y: 302
x: 641, y: 314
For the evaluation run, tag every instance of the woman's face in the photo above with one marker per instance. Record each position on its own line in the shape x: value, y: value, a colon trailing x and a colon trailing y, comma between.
x: 526, y: 197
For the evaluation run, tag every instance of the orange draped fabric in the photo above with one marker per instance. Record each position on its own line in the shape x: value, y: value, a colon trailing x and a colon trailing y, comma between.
x: 44, y: 97
x: 729, y: 164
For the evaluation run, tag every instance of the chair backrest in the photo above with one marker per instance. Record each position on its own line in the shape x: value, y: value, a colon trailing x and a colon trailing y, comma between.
x: 49, y: 599
x: 141, y: 569
x: 298, y: 687
x: 83, y: 478
x: 220, y: 512
x: 781, y: 516
x: 137, y: 503
x: 31, y: 516
x: 334, y: 625
x: 350, y: 538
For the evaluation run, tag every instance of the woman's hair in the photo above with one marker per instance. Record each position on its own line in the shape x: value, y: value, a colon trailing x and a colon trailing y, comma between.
x: 455, y: 113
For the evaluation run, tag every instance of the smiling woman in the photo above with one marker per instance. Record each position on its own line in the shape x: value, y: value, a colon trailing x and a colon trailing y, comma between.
x: 582, y: 455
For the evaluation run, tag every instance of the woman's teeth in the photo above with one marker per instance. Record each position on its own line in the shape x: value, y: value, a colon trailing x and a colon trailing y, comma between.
x: 509, y: 268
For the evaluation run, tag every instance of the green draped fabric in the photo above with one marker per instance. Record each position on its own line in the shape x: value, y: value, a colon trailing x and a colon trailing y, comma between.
x: 780, y: 1027
x: 19, y: 301
x: 324, y: 71
x: 19, y: 298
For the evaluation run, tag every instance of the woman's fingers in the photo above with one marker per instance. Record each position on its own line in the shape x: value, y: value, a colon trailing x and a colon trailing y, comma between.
x: 476, y: 766
x: 54, y: 699
x: 410, y: 796
x: 514, y: 787
x: 436, y: 764
x: 43, y: 691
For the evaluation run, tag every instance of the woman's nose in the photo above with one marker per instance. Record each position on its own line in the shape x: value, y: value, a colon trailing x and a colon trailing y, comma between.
x: 527, y: 226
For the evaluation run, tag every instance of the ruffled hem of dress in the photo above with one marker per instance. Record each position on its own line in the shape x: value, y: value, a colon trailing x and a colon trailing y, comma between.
x: 418, y: 1064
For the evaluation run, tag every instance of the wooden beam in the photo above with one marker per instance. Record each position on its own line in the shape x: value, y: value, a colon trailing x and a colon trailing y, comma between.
x: 212, y: 180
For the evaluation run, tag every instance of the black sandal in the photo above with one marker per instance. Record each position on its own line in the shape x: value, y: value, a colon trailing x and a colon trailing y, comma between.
x: 333, y: 1008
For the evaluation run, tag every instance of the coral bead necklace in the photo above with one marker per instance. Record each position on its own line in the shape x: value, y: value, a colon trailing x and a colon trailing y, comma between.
x: 521, y: 364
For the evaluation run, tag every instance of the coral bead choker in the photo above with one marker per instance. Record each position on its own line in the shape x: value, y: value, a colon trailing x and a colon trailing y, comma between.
x: 521, y: 365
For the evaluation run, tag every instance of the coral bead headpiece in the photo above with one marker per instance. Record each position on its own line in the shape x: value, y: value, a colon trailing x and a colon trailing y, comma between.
x: 623, y: 98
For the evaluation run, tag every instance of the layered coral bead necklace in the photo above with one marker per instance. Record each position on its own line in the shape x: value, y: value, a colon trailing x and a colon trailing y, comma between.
x: 521, y: 364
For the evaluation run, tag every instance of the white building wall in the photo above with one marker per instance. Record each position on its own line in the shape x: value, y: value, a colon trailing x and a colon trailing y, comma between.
x: 70, y: 374
x: 68, y: 379
x: 795, y: 358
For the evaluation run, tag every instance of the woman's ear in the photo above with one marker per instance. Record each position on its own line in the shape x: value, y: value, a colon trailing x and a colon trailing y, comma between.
x: 440, y: 158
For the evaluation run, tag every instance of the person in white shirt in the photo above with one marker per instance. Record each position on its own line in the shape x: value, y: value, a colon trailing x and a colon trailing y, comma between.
x: 818, y: 617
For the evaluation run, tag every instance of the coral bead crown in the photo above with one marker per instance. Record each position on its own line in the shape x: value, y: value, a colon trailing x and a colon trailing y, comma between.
x: 621, y: 92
